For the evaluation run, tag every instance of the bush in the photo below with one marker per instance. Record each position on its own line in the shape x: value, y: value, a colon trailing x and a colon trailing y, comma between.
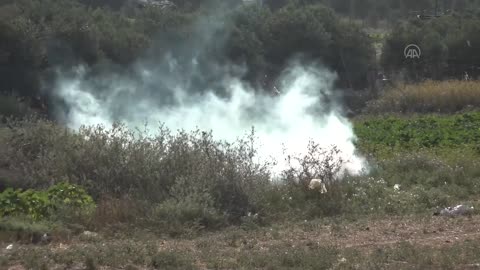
x: 117, y: 162
x: 187, y: 209
x: 188, y: 182
x: 29, y: 202
x: 182, y: 181
x: 71, y: 195
x: 42, y: 204
x: 317, y: 163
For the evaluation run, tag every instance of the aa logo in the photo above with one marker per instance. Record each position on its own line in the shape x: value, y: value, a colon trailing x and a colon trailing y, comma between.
x: 412, y: 51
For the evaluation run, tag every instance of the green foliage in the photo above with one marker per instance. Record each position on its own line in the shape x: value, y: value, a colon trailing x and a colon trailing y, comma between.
x: 425, y: 183
x: 24, y: 225
x: 21, y: 54
x: 433, y: 158
x: 71, y: 195
x: 41, y: 204
x: 29, y: 202
x: 163, y: 169
x: 267, y: 41
x: 388, y: 10
x: 191, y: 209
x: 420, y: 132
x: 188, y: 182
x: 447, y: 45
x: 317, y: 24
x: 41, y: 35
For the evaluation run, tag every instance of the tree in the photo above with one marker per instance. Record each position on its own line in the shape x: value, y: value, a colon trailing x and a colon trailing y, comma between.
x: 294, y: 30
x: 22, y: 56
x: 450, y: 46
x: 246, y: 42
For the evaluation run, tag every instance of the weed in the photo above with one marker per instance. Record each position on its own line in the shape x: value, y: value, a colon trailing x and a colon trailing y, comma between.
x: 172, y: 260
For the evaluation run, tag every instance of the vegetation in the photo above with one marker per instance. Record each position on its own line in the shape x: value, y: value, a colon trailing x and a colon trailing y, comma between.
x: 442, y: 97
x: 44, y: 35
x: 260, y: 35
x: 187, y: 201
x: 272, y: 248
x: 188, y: 182
x: 421, y: 131
x: 42, y: 204
x: 448, y: 44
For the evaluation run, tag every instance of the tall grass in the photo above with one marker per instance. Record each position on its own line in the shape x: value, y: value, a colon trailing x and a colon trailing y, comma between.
x: 428, y: 97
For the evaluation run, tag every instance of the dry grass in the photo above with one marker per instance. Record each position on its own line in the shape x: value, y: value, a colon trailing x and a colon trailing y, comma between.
x: 117, y: 210
x: 428, y: 97
x: 414, y: 242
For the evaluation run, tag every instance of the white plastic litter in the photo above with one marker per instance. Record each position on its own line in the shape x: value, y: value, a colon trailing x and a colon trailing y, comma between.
x: 458, y: 210
x: 318, y: 184
x: 9, y: 247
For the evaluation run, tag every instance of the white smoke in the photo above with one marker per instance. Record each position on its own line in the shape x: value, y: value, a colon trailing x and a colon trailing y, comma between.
x: 287, y: 121
x: 191, y: 92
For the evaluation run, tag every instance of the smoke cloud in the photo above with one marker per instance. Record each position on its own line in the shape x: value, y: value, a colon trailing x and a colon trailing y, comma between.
x: 185, y: 87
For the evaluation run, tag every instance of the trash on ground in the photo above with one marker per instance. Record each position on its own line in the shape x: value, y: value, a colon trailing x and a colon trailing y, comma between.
x: 459, y: 210
x: 318, y: 184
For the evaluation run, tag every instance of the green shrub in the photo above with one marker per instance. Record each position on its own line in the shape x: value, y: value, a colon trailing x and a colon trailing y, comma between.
x: 65, y: 194
x: 187, y: 211
x: 29, y: 202
x: 118, y: 162
x: 317, y: 163
x: 428, y: 131
x: 188, y: 181
x: 42, y: 204
x: 426, y: 182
